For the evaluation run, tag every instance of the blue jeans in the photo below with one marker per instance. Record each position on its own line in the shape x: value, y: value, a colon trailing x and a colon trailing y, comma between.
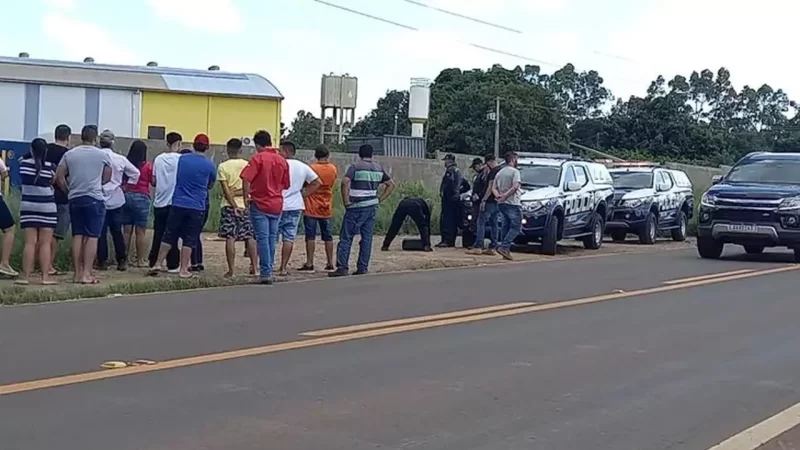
x: 489, y: 214
x: 356, y: 221
x: 88, y: 215
x: 512, y: 224
x: 265, y: 227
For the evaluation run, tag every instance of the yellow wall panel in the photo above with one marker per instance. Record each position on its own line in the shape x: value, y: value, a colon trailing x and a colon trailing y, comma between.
x: 187, y: 114
x: 237, y: 117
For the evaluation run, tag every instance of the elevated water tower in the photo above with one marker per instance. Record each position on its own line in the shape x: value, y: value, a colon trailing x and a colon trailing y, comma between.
x: 419, y: 103
x: 339, y: 93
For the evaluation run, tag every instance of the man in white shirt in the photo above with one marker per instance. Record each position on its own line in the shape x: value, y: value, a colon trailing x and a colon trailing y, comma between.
x: 303, y: 181
x: 165, y: 169
x: 114, y: 199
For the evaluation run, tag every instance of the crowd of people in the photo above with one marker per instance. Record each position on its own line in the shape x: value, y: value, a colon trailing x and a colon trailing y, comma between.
x: 95, y: 191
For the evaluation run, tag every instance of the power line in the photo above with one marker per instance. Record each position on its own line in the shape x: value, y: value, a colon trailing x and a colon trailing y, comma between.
x: 411, y: 28
x: 463, y: 16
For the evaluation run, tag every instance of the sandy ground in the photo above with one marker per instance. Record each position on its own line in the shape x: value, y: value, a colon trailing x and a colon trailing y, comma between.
x: 391, y: 261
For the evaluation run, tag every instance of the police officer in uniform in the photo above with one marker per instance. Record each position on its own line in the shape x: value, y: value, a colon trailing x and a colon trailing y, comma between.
x: 420, y: 212
x: 449, y: 191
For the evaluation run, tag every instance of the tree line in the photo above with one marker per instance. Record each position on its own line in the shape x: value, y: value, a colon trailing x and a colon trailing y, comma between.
x: 698, y: 119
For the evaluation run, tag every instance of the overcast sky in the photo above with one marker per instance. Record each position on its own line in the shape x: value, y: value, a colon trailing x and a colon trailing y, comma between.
x: 293, y: 42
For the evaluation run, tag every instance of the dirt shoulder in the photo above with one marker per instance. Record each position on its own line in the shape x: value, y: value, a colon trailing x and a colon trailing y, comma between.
x: 135, y: 280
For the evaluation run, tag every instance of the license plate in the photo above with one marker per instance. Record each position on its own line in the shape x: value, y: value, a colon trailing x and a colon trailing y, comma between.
x: 743, y: 228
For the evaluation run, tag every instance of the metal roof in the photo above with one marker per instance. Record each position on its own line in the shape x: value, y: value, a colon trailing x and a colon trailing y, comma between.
x: 144, y: 78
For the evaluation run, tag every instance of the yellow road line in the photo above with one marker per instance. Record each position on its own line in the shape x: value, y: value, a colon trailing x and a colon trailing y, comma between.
x: 763, y: 432
x: 706, y: 277
x: 294, y: 345
x: 418, y: 319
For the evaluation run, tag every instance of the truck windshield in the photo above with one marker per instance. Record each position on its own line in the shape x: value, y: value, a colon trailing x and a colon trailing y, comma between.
x: 632, y: 180
x: 770, y: 171
x: 539, y: 176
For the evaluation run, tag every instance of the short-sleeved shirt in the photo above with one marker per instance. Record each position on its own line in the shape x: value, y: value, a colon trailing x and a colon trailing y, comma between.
x: 268, y: 175
x: 165, y: 167
x: 194, y: 177
x: 230, y: 172
x: 506, y: 178
x: 365, y: 177
x: 54, y: 154
x: 299, y: 175
x: 320, y: 203
x: 142, y: 185
x: 85, y: 165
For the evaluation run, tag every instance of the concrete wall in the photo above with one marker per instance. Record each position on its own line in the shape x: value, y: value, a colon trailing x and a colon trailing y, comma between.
x: 428, y: 171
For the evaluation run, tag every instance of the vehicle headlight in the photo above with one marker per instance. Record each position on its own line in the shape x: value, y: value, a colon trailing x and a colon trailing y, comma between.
x: 532, y: 206
x: 789, y: 204
x: 709, y: 200
x: 633, y: 203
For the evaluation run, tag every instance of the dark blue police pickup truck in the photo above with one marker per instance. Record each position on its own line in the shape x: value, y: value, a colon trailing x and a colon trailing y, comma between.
x: 756, y: 205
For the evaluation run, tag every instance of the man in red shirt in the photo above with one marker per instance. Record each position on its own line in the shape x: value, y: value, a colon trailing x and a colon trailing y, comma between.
x: 263, y: 181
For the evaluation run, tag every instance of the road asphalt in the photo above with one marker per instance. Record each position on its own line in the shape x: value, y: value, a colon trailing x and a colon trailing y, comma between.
x: 679, y: 369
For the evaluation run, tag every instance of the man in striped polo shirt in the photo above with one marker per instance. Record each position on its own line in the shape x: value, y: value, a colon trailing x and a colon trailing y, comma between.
x: 360, y: 197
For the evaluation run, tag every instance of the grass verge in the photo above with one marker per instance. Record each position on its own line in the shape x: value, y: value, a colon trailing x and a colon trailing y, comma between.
x: 19, y: 295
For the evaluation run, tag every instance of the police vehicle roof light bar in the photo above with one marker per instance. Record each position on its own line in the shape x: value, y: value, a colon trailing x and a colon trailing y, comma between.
x: 545, y: 155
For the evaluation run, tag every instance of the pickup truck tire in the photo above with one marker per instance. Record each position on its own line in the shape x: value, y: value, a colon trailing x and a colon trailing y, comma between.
x: 595, y: 240
x: 649, y: 231
x: 754, y: 249
x: 710, y: 248
x: 618, y: 235
x: 550, y: 239
x: 797, y: 255
x: 679, y: 234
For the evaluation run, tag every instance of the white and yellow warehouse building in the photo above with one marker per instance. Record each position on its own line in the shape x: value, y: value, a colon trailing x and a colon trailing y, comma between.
x: 134, y: 101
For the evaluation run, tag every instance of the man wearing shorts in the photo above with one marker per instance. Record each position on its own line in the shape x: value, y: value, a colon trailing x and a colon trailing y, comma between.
x: 165, y: 166
x: 234, y: 219
x: 82, y: 173
x: 196, y: 174
x: 293, y: 205
x: 319, y: 210
x: 55, y: 152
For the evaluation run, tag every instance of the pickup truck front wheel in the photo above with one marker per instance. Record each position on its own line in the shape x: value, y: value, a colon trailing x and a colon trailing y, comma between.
x: 550, y: 239
x: 595, y: 240
x: 649, y: 231
x: 710, y: 248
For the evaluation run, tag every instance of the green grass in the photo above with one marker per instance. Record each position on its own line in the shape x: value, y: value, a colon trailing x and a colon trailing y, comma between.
x: 17, y: 295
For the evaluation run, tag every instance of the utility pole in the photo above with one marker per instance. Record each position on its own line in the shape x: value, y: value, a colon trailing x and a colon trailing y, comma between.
x: 395, y: 124
x: 497, y: 128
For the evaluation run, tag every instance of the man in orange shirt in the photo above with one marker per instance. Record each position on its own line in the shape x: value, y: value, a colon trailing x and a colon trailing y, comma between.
x: 319, y: 210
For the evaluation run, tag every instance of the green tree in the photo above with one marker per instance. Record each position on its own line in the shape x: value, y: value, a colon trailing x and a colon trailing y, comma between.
x: 381, y: 120
x: 580, y: 94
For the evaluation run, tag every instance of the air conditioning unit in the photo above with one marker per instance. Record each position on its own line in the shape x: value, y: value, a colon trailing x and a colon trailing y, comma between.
x: 247, y: 141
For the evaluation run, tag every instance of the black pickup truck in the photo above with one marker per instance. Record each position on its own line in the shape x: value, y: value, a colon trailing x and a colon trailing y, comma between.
x: 756, y: 205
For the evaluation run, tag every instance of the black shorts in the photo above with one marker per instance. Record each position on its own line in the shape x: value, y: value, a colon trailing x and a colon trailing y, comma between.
x: 184, y: 223
x: 6, y: 218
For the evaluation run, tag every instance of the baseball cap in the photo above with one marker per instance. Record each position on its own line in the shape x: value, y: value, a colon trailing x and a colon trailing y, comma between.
x: 449, y: 157
x: 201, y: 139
x: 107, y: 136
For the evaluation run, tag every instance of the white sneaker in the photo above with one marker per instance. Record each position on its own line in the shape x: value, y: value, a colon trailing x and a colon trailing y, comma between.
x: 177, y: 270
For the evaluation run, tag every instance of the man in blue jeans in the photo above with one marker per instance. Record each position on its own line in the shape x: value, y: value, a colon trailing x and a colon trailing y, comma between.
x: 82, y: 173
x: 486, y: 206
x: 360, y: 197
x: 264, y: 179
x: 506, y: 189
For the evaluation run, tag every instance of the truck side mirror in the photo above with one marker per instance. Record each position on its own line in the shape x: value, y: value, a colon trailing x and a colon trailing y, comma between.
x: 716, y: 179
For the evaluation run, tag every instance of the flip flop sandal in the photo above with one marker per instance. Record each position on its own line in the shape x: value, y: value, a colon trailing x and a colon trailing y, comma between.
x: 9, y: 272
x: 95, y: 281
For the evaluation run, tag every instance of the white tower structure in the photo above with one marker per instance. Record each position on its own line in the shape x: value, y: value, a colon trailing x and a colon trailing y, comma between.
x: 419, y: 103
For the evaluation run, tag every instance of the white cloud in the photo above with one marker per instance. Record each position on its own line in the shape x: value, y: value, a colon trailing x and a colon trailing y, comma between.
x: 85, y: 39
x: 215, y: 16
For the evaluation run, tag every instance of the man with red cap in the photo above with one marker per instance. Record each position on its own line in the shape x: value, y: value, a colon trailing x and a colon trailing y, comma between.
x: 196, y: 174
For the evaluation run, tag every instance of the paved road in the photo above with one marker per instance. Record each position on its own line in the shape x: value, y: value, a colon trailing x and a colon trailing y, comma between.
x: 684, y: 368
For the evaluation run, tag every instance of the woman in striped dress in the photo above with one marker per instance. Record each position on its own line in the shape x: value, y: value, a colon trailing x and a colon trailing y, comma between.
x: 37, y: 210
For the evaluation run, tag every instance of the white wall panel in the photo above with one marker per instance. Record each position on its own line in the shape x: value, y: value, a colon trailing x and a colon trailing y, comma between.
x: 58, y: 104
x: 12, y: 111
x: 117, y: 112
